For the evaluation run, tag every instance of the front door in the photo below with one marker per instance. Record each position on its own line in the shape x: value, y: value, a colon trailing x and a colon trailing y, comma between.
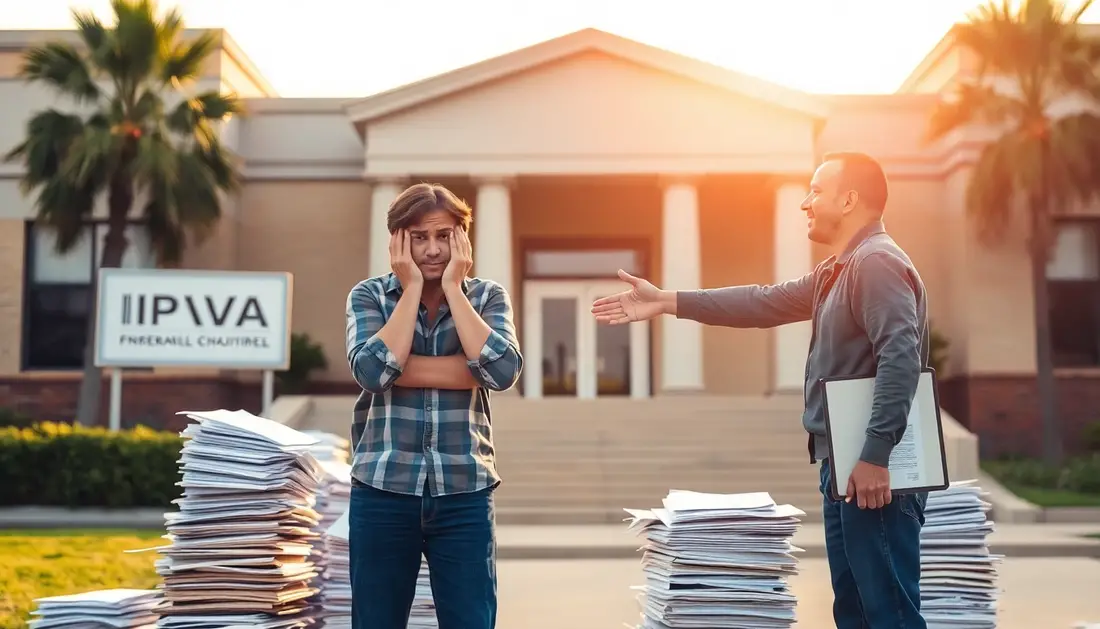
x: 566, y: 353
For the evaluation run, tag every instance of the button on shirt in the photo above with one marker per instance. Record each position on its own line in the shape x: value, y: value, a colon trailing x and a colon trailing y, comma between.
x: 404, y: 439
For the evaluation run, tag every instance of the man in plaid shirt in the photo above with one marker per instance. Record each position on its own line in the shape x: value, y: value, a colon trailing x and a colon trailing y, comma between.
x: 427, y: 344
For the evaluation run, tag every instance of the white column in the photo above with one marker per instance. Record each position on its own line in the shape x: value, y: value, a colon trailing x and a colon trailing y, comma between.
x: 681, y: 340
x: 382, y: 195
x: 493, y: 232
x: 793, y: 259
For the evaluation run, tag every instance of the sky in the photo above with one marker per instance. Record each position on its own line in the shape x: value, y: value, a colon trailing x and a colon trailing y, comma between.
x: 353, y: 48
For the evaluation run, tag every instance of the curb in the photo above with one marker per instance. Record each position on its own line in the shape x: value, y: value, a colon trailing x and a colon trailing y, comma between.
x: 1052, y: 550
x: 62, y: 518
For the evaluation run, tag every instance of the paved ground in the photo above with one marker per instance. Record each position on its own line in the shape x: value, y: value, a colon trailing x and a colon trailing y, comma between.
x: 583, y: 594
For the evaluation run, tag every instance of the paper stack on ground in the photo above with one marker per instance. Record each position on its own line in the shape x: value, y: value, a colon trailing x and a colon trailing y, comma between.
x: 329, y: 447
x: 116, y: 608
x: 333, y: 492
x: 423, y: 608
x: 717, y: 561
x: 335, y: 599
x: 240, y: 542
x: 333, y: 495
x: 958, y: 574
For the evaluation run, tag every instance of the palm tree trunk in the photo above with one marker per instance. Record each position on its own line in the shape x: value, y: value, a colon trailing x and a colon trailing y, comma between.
x: 1044, y: 361
x: 120, y: 199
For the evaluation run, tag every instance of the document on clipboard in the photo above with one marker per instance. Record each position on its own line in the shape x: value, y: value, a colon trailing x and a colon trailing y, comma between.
x: 917, y: 463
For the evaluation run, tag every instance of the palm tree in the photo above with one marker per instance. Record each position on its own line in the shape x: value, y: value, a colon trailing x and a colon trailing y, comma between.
x: 1029, y: 58
x: 141, y: 136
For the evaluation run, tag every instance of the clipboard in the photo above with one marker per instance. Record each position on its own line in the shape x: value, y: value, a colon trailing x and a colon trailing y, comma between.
x: 917, y: 464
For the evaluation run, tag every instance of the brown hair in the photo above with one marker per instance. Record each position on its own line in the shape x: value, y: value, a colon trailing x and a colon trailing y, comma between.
x: 862, y: 173
x: 417, y: 200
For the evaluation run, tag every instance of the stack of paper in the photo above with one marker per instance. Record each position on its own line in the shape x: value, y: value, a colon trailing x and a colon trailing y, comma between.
x: 329, y: 447
x: 335, y: 597
x: 423, y: 608
x: 240, y: 543
x: 958, y: 574
x: 334, y: 492
x: 717, y: 561
x: 117, y: 608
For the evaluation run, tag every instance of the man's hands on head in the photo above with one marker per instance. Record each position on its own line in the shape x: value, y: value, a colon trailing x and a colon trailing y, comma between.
x: 869, y: 486
x: 401, y: 260
x: 642, y: 302
x: 462, y: 259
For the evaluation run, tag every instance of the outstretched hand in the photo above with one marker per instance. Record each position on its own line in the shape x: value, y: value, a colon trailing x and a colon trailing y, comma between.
x: 642, y: 302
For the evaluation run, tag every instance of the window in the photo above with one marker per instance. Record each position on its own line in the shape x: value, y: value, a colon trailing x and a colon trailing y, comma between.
x: 1073, y: 277
x: 58, y: 301
x: 582, y: 263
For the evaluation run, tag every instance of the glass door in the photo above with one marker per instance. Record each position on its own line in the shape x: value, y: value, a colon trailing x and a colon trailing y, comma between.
x: 566, y: 353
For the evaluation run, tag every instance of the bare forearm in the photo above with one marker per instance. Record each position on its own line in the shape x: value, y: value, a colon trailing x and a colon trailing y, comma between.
x: 437, y: 372
x: 398, y: 332
x: 473, y: 331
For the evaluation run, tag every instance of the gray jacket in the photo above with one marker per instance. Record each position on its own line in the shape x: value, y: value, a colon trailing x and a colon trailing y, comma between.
x: 870, y: 318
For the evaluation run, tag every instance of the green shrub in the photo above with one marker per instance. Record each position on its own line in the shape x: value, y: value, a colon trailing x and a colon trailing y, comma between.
x: 10, y: 417
x: 54, y: 464
x: 1081, y: 474
x: 1090, y: 438
x: 306, y: 356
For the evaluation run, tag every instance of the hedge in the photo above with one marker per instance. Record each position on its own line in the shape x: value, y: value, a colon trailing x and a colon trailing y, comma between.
x: 54, y: 464
x: 1079, y: 474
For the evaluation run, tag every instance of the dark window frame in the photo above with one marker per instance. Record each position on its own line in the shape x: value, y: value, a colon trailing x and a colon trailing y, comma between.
x: 33, y: 289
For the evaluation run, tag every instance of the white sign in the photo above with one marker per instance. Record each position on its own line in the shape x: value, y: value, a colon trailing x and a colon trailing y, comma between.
x: 161, y: 317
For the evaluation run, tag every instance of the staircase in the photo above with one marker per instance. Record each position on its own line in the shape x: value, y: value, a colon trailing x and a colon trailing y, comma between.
x: 569, y: 461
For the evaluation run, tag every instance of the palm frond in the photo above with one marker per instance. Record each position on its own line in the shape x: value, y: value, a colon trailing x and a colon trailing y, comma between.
x: 187, y: 117
x: 973, y: 103
x: 1073, y: 160
x: 137, y: 35
x: 990, y: 196
x: 49, y: 135
x: 184, y: 62
x: 61, y: 67
x: 65, y: 208
x: 93, y: 155
x: 91, y: 29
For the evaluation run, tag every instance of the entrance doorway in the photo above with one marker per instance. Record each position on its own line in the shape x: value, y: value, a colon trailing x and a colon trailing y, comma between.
x: 566, y: 353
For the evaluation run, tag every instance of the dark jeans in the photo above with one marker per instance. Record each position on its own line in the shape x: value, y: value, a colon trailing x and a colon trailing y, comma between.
x: 874, y: 559
x: 388, y: 533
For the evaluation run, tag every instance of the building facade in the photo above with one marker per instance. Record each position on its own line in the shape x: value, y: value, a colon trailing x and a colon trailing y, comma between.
x: 580, y: 155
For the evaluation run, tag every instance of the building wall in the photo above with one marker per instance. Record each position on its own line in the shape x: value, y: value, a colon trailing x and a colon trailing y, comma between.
x: 11, y: 295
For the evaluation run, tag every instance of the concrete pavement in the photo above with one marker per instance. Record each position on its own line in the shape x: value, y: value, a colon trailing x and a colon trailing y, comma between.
x: 597, y: 541
x: 615, y: 542
x: 595, y: 594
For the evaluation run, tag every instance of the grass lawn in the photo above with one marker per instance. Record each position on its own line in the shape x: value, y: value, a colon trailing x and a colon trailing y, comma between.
x: 37, y: 563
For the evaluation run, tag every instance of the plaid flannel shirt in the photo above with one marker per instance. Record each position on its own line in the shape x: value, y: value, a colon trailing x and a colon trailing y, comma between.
x: 407, y: 439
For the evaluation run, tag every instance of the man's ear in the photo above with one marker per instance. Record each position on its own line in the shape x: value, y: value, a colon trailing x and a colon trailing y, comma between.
x: 851, y: 200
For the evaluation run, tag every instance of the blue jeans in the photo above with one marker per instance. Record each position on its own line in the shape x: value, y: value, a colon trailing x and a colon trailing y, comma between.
x: 456, y: 534
x: 874, y: 559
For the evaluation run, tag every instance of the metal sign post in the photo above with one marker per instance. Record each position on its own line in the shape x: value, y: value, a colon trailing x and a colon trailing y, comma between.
x: 268, y: 392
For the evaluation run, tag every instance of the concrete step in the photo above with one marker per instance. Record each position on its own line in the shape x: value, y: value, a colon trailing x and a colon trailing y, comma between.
x: 620, y: 472
x: 594, y: 495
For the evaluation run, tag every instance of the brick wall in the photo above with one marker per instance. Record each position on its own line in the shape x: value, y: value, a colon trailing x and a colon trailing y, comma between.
x: 153, y: 402
x: 1004, y: 411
